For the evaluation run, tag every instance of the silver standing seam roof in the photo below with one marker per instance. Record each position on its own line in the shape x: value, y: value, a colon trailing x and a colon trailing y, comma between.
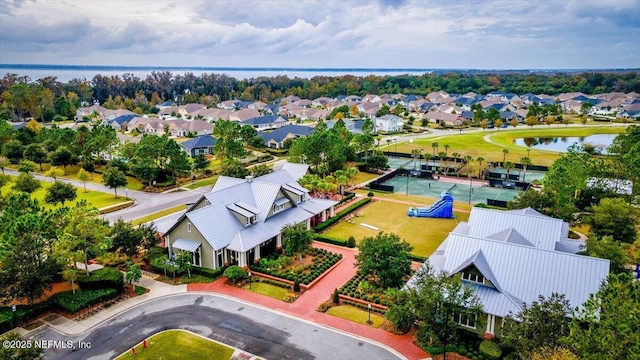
x: 524, y: 254
x: 184, y: 244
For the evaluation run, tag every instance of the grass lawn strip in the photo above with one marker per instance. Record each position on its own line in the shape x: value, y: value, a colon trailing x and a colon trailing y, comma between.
x: 475, y: 145
x: 354, y: 314
x: 95, y: 198
x: 424, y: 234
x: 159, y: 214
x: 204, y: 182
x: 267, y: 290
x: 180, y: 344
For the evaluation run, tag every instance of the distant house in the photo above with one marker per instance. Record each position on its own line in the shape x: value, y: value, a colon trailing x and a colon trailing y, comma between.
x: 244, y: 114
x: 510, y: 258
x: 120, y: 122
x: 266, y: 122
x: 241, y: 220
x: 388, y: 123
x: 275, y: 139
x: 202, y: 144
x: 180, y: 128
x: 444, y: 118
x: 83, y: 112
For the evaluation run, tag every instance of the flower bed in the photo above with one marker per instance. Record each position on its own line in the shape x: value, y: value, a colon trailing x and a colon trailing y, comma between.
x: 283, y: 267
x: 359, y: 288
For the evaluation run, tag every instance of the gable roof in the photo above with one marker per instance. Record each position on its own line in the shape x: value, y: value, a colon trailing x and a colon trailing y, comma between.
x: 201, y: 141
x: 266, y: 119
x: 280, y: 134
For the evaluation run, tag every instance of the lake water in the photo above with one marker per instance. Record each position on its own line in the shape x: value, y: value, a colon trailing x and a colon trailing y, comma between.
x: 561, y: 144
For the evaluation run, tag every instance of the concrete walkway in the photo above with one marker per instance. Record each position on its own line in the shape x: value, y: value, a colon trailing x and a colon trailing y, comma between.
x: 305, y: 307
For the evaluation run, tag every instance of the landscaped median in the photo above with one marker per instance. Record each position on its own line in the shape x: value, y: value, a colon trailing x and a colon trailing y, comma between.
x: 316, y: 262
x: 179, y: 344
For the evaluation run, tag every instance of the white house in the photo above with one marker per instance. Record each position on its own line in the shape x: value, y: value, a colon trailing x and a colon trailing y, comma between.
x: 388, y: 123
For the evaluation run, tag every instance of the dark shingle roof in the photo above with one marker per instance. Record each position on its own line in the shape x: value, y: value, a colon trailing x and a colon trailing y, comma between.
x: 199, y: 142
x: 280, y: 134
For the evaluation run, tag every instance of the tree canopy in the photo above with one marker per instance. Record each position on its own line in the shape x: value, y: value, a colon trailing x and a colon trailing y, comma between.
x: 386, y: 258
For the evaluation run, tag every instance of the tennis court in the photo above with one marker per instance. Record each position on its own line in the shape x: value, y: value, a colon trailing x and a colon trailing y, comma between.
x: 460, y: 192
x: 530, y: 176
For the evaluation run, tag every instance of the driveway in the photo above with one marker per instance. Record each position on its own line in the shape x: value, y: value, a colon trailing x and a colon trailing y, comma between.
x: 256, y: 330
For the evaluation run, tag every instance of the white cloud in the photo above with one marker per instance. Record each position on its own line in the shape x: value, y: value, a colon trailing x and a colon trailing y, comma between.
x: 323, y: 33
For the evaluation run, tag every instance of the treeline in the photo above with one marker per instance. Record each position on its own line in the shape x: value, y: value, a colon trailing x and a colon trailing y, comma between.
x: 45, y: 98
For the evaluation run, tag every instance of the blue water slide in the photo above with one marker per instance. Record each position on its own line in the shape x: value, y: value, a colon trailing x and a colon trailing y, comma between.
x: 442, y: 208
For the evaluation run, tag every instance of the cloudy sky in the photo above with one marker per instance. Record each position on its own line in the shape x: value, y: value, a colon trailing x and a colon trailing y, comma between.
x: 492, y: 34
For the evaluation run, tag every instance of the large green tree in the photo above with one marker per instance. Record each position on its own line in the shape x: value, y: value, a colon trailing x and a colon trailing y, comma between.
x: 542, y: 324
x: 113, y: 178
x: 59, y: 192
x: 616, y: 218
x: 25, y: 182
x: 36, y: 153
x: 608, y: 325
x: 296, y: 238
x: 386, y: 258
x: 228, y: 140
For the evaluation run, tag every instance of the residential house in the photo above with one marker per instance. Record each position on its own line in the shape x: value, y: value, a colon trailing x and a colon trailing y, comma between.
x: 241, y: 220
x: 202, y: 144
x: 388, y: 123
x: 120, y: 122
x: 147, y: 125
x: 510, y: 258
x: 321, y: 102
x: 244, y: 114
x: 211, y: 115
x: 180, y: 127
x: 444, y: 119
x: 289, y: 99
x: 275, y: 139
x: 227, y: 105
x: 112, y: 114
x: 257, y: 105
x: 266, y: 122
x: 88, y: 111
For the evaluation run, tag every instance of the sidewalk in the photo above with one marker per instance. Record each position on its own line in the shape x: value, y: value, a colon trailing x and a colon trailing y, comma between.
x: 305, y: 307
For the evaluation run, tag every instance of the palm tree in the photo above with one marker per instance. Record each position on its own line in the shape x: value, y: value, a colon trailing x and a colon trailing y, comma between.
x: 456, y: 157
x: 415, y: 153
x: 442, y: 157
x: 504, y: 155
x: 480, y: 159
x: 508, y: 166
x: 525, y: 161
x: 446, y: 149
x: 467, y: 160
x: 434, y: 146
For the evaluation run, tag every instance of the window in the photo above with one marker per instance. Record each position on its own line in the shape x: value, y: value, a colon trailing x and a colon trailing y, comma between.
x: 466, y: 320
x: 189, y: 227
x: 219, y: 260
x: 277, y: 208
x: 473, y: 277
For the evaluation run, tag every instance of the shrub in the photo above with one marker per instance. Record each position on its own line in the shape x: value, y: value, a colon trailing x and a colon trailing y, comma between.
x: 462, y: 351
x: 336, y: 297
x: 290, y: 297
x: 113, y: 259
x: 235, y: 273
x: 212, y: 273
x: 370, y: 194
x: 490, y: 350
x: 324, y: 307
x: 72, y: 303
x: 102, y: 279
x: 351, y: 242
x: 296, y: 286
x: 329, y: 239
x: 401, y: 317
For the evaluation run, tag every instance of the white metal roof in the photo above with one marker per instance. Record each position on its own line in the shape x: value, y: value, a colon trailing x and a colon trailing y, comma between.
x: 184, y: 244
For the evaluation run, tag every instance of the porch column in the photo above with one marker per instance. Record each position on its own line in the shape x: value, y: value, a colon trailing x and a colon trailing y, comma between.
x: 331, y: 212
x: 224, y: 257
x: 257, y: 252
x: 279, y: 240
x: 308, y: 224
x: 491, y: 324
x: 324, y: 215
x: 242, y: 259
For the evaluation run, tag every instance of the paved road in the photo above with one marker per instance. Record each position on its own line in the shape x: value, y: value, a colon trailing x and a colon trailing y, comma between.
x: 258, y: 331
x: 145, y: 203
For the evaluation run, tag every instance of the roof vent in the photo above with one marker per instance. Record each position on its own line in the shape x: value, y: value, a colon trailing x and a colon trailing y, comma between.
x: 249, y: 178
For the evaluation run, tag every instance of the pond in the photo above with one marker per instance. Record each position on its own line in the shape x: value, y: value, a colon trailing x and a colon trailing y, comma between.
x: 598, y: 142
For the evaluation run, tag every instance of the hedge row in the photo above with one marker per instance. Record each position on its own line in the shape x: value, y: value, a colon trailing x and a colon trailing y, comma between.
x: 342, y: 214
x: 212, y: 273
x: 101, y: 279
x: 23, y: 314
x: 330, y: 240
x: 346, y: 198
x: 72, y: 303
x: 418, y: 258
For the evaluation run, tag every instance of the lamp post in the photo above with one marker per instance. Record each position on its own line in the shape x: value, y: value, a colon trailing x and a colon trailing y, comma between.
x: 249, y: 280
x: 369, y: 321
x: 470, y: 187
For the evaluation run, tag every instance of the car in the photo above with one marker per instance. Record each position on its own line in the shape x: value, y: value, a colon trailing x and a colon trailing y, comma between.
x: 504, y: 126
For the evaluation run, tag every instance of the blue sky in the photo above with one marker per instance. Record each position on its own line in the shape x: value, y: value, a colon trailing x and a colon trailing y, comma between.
x: 500, y: 34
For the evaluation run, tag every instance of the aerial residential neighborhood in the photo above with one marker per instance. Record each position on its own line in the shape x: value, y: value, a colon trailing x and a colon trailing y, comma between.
x: 319, y: 180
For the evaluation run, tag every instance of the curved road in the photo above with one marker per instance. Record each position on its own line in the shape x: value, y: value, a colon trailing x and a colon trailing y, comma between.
x: 255, y: 330
x: 145, y: 203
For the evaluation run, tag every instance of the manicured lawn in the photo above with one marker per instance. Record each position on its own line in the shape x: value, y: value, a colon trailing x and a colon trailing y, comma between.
x: 418, y: 199
x: 362, y: 177
x: 204, y: 182
x: 475, y: 145
x: 180, y: 344
x: 354, y: 314
x: 95, y: 198
x: 72, y: 173
x: 424, y: 234
x: 158, y: 214
x: 267, y: 289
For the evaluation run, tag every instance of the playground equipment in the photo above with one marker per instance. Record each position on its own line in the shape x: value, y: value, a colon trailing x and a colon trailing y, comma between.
x: 443, y: 208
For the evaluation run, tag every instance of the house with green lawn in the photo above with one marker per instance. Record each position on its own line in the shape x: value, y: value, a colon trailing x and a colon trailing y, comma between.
x: 241, y: 220
x: 510, y: 258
